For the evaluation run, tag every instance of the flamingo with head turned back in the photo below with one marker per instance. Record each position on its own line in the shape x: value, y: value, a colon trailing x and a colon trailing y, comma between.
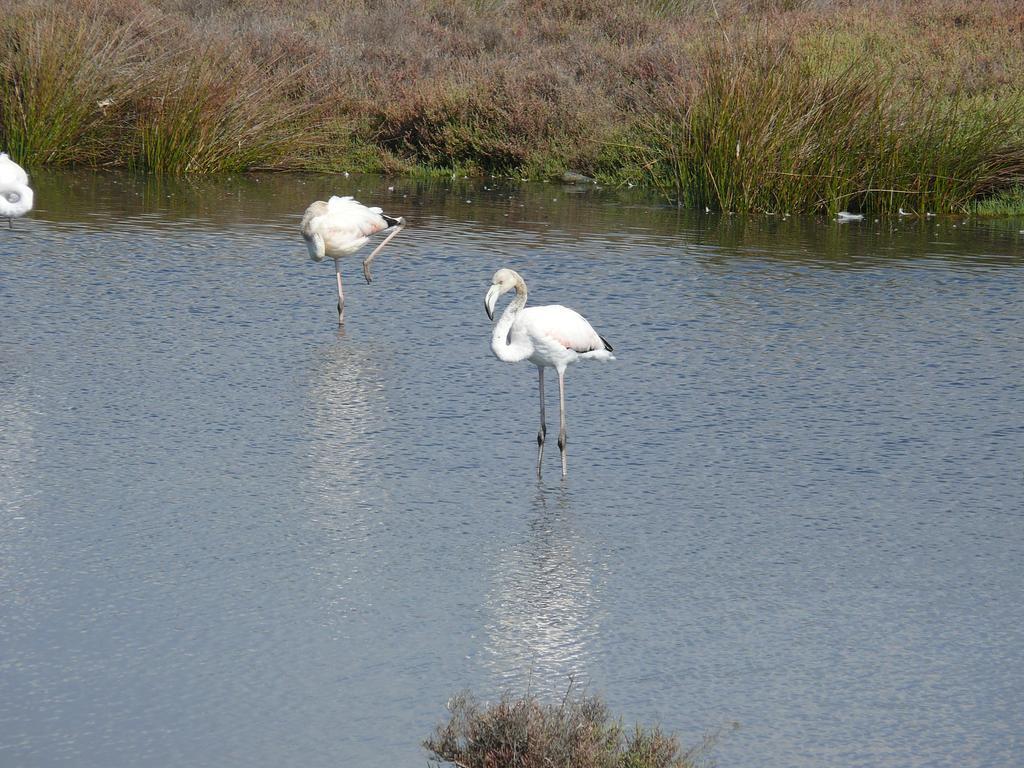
x: 552, y: 336
x: 15, y: 194
x: 342, y: 226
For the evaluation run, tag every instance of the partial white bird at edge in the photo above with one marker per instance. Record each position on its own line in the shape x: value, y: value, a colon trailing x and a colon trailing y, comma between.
x: 16, y: 196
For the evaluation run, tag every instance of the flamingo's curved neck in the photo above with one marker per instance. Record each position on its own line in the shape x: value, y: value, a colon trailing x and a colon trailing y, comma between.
x: 502, y: 343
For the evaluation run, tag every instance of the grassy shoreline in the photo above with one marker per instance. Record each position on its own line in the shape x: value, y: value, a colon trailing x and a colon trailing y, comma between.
x: 781, y: 106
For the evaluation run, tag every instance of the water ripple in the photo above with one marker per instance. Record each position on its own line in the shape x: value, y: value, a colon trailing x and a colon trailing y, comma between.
x: 231, y: 533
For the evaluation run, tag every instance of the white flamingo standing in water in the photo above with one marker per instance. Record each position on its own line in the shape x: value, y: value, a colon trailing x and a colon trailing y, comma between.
x: 15, y: 194
x: 340, y: 227
x: 552, y: 336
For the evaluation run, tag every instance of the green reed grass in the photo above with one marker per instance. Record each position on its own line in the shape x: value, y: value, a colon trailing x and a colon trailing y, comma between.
x: 64, y: 84
x: 1009, y: 202
x: 759, y: 132
x: 201, y: 121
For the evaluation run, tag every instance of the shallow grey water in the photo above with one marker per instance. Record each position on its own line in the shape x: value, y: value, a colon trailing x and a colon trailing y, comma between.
x: 230, y: 535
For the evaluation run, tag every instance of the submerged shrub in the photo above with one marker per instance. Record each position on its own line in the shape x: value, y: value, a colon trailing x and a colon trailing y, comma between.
x: 526, y: 733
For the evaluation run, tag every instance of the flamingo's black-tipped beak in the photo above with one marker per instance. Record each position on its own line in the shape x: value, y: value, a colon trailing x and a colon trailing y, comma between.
x: 491, y: 299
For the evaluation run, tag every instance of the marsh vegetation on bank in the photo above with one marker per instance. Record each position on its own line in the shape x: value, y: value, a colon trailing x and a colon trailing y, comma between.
x: 747, y: 105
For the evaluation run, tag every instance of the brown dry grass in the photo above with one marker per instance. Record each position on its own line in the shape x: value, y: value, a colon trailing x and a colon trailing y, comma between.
x: 496, y: 86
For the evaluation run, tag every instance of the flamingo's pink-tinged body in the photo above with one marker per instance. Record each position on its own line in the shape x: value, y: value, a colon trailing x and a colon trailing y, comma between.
x: 342, y: 226
x: 16, y: 195
x: 552, y: 336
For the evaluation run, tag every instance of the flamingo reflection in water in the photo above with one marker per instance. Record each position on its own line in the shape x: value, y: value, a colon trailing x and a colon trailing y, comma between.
x: 544, y: 605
